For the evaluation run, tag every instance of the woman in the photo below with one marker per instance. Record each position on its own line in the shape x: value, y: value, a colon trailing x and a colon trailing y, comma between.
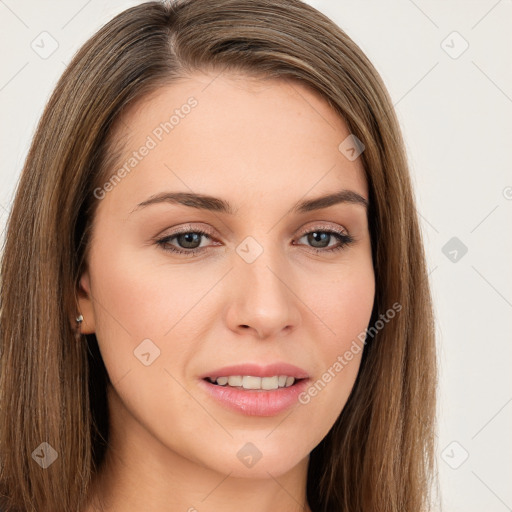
x: 200, y: 167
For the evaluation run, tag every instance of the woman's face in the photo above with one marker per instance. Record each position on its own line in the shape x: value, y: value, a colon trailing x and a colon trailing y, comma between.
x: 261, y: 288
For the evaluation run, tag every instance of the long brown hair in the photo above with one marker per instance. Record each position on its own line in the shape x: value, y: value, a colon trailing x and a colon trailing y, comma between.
x: 378, y: 456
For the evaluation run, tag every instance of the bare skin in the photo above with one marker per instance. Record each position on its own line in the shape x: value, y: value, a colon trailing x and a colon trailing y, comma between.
x: 262, y: 146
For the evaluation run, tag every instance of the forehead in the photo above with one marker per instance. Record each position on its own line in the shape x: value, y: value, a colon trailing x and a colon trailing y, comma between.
x: 213, y: 134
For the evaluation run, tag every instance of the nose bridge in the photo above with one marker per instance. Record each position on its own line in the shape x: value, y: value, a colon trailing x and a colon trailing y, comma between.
x: 263, y: 300
x: 260, y: 264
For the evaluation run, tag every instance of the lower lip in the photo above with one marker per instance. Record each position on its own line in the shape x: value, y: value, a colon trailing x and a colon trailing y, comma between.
x: 255, y: 402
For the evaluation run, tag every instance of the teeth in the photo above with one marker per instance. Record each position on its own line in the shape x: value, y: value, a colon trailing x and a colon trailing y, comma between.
x: 269, y: 382
x: 250, y: 382
x: 234, y: 381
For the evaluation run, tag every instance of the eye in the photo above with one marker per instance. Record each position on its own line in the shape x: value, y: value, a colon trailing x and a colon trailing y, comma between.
x: 320, y: 238
x: 189, y: 241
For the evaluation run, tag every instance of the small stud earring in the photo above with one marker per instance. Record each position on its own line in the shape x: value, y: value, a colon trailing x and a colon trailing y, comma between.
x: 79, y: 319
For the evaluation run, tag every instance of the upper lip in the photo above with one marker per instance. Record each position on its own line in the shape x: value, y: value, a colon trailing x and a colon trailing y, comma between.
x: 257, y: 370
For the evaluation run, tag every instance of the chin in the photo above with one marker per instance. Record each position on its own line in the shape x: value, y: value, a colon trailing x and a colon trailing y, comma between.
x: 257, y: 459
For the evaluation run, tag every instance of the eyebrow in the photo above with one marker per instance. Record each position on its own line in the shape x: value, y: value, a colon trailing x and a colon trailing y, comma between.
x: 215, y: 204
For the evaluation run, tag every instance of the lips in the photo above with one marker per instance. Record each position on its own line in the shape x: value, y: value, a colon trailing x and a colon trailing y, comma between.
x: 255, y: 402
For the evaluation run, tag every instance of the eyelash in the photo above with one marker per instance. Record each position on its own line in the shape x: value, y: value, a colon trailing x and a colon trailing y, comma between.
x: 344, y: 239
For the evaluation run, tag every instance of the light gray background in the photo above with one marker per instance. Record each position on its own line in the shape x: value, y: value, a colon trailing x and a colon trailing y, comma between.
x: 455, y: 112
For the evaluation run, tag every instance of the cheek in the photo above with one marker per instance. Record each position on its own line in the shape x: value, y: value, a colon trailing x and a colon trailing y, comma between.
x: 141, y: 299
x: 129, y: 307
x: 142, y: 308
x: 141, y: 318
x: 354, y: 299
x: 343, y: 301
x: 344, y: 306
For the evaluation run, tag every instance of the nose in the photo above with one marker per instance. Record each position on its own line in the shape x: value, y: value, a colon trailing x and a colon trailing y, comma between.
x: 263, y: 299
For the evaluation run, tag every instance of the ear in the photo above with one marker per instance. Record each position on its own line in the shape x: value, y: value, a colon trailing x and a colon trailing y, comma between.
x: 85, y: 305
